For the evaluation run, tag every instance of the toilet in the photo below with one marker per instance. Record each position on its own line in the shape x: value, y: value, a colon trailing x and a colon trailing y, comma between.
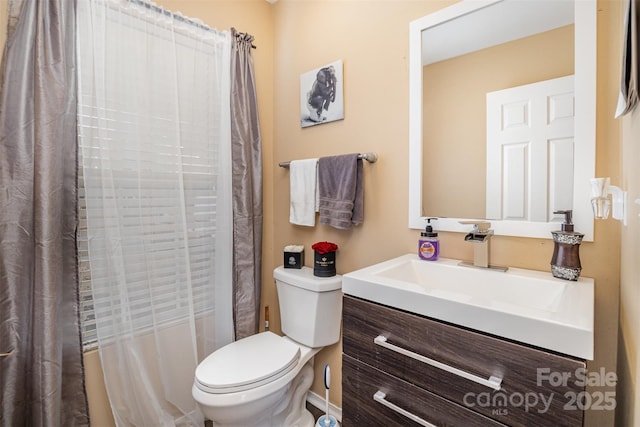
x: 263, y: 380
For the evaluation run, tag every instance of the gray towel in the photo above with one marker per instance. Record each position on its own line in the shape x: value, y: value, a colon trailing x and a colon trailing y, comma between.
x: 341, y: 197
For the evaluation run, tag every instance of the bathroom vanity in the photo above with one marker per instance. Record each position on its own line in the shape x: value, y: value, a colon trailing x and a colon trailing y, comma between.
x: 380, y: 383
x: 435, y: 343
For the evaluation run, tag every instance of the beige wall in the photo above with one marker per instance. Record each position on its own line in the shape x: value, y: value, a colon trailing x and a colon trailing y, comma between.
x: 4, y: 4
x: 371, y: 37
x: 628, y: 413
x: 629, y: 329
x: 629, y: 332
x: 608, y: 163
x: 3, y: 23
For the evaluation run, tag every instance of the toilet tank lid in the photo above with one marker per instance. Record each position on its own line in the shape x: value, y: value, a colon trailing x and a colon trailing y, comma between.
x: 304, y: 278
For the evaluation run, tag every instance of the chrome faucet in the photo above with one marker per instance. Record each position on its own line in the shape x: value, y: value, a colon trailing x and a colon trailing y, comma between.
x: 480, y: 236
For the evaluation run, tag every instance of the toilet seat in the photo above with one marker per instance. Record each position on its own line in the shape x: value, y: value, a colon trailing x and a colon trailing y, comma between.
x: 247, y: 363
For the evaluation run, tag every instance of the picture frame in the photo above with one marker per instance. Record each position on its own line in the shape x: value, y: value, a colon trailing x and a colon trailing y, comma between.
x: 321, y: 95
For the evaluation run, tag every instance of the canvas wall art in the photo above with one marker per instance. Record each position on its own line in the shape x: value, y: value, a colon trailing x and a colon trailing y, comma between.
x: 321, y: 95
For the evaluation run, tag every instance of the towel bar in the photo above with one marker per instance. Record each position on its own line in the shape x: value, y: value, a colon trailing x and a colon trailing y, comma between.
x: 369, y: 157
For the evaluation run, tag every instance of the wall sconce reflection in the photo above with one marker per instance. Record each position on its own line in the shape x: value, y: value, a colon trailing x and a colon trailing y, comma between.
x: 601, y: 188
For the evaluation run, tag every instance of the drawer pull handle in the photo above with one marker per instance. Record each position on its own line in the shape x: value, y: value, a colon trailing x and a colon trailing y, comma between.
x: 493, y: 382
x: 380, y: 397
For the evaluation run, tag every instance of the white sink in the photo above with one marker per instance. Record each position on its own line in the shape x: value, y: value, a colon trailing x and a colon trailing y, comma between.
x: 528, y: 306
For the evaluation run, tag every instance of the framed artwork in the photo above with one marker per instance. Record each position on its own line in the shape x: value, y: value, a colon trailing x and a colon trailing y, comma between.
x: 321, y: 95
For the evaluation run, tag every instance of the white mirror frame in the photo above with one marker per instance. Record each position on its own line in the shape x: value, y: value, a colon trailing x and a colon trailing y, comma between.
x: 585, y: 124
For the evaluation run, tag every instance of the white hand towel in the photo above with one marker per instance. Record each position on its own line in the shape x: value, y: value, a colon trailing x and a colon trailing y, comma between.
x: 303, y: 180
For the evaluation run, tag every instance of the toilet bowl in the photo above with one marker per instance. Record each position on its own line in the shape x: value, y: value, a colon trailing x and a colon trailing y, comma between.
x: 263, y: 380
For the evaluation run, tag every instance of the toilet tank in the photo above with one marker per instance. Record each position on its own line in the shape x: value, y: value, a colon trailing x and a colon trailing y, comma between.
x: 310, y: 306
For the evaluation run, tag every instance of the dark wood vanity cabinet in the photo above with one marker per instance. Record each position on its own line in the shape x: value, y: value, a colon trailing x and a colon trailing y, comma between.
x: 402, y: 369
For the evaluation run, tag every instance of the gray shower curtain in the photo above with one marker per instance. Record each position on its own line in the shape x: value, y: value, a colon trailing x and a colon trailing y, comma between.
x: 246, y: 157
x: 41, y: 371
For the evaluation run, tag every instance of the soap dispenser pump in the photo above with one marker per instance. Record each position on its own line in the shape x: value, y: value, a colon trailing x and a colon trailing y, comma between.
x: 565, y: 263
x: 429, y: 243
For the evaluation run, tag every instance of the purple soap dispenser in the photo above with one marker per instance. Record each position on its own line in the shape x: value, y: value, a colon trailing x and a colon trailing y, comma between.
x: 429, y: 243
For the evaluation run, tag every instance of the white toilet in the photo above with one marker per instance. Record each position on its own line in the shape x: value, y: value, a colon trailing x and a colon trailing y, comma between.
x: 263, y: 380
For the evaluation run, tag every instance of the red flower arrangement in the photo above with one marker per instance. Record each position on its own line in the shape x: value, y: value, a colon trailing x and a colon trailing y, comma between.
x: 324, y: 247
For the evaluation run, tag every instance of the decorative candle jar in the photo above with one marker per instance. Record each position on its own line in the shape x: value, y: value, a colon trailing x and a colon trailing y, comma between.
x: 324, y: 259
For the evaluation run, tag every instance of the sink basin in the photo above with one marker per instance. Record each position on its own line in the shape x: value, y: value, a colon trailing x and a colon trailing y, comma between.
x: 528, y: 306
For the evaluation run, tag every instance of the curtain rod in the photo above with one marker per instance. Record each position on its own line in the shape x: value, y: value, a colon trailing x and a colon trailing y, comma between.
x: 175, y: 16
x: 369, y: 157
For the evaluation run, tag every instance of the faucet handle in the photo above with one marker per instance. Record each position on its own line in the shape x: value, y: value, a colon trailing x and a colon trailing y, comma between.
x: 478, y: 226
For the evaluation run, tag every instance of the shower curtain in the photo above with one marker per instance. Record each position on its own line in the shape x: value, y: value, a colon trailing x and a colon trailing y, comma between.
x: 41, y: 372
x: 155, y: 141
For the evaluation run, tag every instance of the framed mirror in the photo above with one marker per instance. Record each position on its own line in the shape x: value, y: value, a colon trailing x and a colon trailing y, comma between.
x: 515, y: 185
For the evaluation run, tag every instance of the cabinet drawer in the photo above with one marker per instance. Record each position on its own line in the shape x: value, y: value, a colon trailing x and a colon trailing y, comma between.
x: 360, y: 408
x: 526, y: 395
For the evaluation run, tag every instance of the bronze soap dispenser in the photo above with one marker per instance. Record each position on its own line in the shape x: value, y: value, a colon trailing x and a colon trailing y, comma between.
x: 565, y: 263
